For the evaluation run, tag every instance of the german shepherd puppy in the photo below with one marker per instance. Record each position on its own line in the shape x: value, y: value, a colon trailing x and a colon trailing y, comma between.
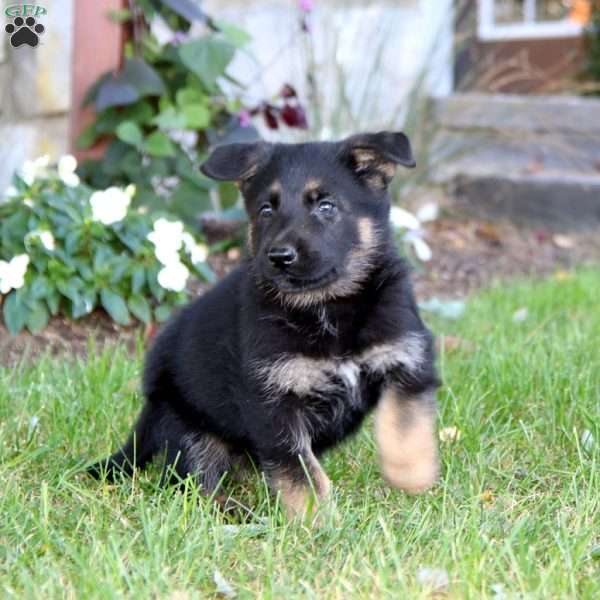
x: 285, y: 357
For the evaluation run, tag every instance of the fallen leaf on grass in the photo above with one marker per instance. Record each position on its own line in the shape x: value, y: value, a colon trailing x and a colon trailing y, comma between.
x: 449, y: 434
x: 520, y: 315
x: 223, y: 586
x: 435, y: 579
x: 487, y: 497
x: 587, y: 441
x: 179, y: 595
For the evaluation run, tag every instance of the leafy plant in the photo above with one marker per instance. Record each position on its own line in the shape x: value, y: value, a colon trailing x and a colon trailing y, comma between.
x: 169, y: 102
x: 66, y: 249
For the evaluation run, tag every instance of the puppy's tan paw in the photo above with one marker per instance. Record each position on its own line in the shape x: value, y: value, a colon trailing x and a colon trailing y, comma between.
x: 413, y: 478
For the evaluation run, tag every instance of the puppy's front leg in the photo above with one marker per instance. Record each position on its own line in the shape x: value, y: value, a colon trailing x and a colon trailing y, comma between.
x: 300, y: 480
x: 405, y: 435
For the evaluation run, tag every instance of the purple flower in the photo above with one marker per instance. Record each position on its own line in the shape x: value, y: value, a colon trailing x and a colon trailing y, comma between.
x: 306, y: 5
x: 245, y: 118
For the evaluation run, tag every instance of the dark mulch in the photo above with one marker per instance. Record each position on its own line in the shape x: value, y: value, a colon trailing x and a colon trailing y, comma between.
x: 467, y: 255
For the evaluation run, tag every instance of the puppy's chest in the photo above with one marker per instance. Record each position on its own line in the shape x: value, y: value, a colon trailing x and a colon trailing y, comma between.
x: 339, y: 377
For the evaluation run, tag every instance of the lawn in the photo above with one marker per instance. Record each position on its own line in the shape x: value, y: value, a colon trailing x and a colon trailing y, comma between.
x: 516, y: 515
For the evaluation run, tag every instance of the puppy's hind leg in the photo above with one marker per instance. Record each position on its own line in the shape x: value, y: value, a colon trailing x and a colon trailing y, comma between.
x: 137, y: 451
x: 204, y: 456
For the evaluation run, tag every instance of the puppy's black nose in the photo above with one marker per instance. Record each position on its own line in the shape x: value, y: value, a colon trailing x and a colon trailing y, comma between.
x: 282, y: 256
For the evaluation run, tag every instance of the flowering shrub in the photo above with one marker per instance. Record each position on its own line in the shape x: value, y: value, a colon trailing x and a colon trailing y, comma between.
x: 66, y: 249
x: 169, y: 102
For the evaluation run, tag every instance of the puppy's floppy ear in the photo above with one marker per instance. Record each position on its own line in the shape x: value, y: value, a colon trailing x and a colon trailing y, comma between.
x: 236, y: 162
x: 375, y: 156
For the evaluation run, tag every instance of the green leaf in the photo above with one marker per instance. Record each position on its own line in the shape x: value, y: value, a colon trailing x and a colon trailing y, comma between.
x: 143, y: 77
x: 140, y: 308
x: 120, y: 15
x: 115, y: 306
x: 188, y: 9
x: 53, y: 302
x: 169, y: 118
x: 39, y: 288
x: 190, y: 95
x: 238, y: 37
x: 130, y: 133
x: 115, y: 92
x: 197, y: 116
x: 188, y: 200
x: 207, y: 58
x: 87, y: 137
x: 15, y: 313
x: 205, y: 272
x: 158, y: 144
x: 162, y: 313
x: 138, y: 278
x: 38, y: 317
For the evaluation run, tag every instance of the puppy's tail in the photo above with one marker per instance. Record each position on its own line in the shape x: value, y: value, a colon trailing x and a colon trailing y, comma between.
x: 135, y: 454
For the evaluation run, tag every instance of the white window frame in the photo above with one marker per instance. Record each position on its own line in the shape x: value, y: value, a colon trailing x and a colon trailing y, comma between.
x: 528, y: 29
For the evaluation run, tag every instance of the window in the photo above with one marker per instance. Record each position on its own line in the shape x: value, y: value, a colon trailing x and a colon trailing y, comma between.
x: 525, y: 19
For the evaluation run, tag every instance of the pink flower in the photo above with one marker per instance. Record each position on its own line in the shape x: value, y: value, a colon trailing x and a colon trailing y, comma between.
x: 245, y: 118
x: 306, y: 5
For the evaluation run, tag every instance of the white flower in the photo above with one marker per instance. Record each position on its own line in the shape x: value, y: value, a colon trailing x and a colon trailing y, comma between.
x: 167, y: 238
x: 45, y: 237
x: 28, y: 202
x: 66, y: 170
x: 198, y: 252
x: 130, y: 190
x: 428, y: 212
x: 173, y: 276
x: 402, y: 219
x: 33, y: 169
x: 12, y: 273
x: 420, y: 246
x: 110, y: 206
x: 11, y: 192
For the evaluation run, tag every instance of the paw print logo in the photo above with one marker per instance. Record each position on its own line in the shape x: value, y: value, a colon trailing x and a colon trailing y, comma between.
x: 24, y: 31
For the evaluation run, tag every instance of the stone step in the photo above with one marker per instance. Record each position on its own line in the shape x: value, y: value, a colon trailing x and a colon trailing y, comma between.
x: 494, y: 153
x: 556, y: 201
x: 534, y: 160
x: 500, y: 112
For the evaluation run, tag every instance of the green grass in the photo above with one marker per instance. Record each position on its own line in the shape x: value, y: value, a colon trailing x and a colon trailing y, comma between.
x: 518, y: 507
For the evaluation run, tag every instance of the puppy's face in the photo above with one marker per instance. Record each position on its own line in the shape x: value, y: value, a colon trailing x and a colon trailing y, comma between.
x: 317, y: 210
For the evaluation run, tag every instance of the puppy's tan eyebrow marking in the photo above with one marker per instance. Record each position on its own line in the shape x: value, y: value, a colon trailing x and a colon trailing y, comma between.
x: 275, y: 187
x: 312, y: 185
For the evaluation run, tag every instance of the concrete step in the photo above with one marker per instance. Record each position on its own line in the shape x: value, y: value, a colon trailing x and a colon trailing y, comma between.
x: 494, y: 153
x: 532, y: 159
x: 556, y: 201
x: 504, y: 112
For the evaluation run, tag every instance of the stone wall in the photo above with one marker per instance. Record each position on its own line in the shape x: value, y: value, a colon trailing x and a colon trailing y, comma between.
x: 35, y: 91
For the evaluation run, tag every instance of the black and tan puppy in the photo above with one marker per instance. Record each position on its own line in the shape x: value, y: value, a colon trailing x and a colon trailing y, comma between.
x: 285, y: 357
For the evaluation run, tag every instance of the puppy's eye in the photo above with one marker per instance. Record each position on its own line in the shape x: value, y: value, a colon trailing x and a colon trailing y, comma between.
x: 326, y: 207
x: 266, y: 210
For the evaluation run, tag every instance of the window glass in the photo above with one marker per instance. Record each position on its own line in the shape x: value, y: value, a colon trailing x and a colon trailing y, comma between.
x: 508, y: 11
x: 552, y: 10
